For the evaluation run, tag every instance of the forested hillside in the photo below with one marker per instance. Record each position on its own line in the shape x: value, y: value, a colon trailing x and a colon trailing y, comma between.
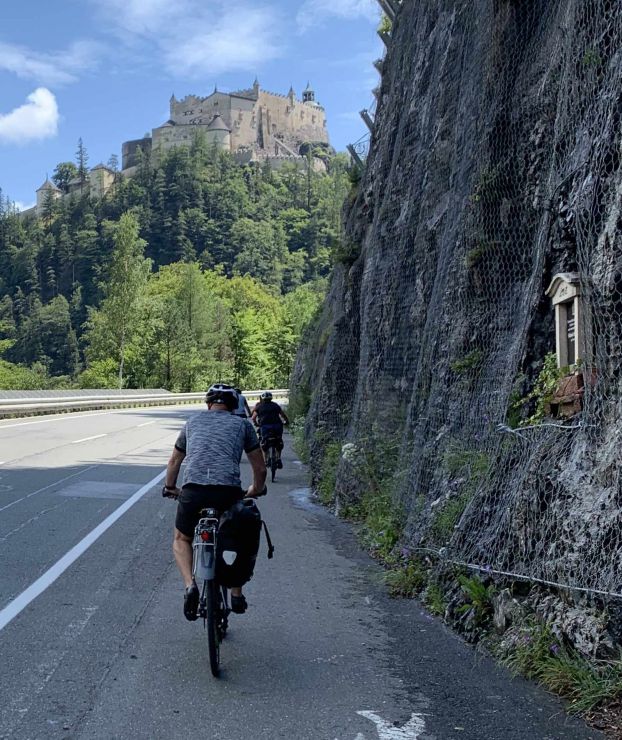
x: 194, y: 269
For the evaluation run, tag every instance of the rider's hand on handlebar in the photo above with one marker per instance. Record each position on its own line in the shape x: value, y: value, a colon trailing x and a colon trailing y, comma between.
x: 170, y: 492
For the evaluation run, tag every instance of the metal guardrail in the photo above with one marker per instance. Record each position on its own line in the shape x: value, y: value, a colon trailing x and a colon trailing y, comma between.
x: 47, y: 405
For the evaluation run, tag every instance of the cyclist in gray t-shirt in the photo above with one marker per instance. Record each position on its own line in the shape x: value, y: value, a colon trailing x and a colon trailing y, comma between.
x: 212, y: 443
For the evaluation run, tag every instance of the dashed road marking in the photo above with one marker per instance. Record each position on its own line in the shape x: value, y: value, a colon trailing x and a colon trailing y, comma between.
x: 86, y: 439
x: 15, y: 607
x: 45, y: 488
x: 146, y: 424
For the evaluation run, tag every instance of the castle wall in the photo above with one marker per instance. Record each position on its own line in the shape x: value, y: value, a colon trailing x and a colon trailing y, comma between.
x: 167, y: 137
x: 100, y: 181
x: 129, y: 151
x: 194, y: 111
x: 297, y: 123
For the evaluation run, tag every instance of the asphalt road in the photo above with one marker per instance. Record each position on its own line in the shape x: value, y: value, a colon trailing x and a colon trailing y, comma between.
x: 93, y: 643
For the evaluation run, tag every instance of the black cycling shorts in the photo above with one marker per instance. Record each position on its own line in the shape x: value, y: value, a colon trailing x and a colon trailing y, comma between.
x: 193, y: 498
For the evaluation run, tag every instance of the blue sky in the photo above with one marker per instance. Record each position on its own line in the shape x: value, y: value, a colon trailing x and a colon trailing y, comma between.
x: 105, y: 69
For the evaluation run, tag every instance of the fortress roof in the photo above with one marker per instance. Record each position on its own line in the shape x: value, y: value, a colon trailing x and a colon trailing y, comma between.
x: 218, y: 124
x: 48, y: 185
x: 102, y: 166
x: 246, y: 94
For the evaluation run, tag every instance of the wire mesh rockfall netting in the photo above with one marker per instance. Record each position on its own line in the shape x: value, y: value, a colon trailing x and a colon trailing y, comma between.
x: 495, y: 165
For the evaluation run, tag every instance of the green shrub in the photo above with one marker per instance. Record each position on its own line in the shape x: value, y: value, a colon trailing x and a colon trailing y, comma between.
x: 475, y: 255
x: 100, y: 374
x: 328, y: 472
x: 406, y: 580
x: 479, y: 598
x: 297, y: 429
x: 469, y: 362
x: 299, y: 401
x: 386, y: 25
x: 374, y: 461
x: 382, y: 523
x: 541, y: 394
x: 460, y: 461
x: 434, y: 599
x: 447, y: 517
x: 536, y: 653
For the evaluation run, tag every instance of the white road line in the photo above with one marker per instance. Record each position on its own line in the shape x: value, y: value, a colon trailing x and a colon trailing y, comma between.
x: 146, y: 424
x: 45, y: 488
x: 13, y: 608
x: 86, y: 439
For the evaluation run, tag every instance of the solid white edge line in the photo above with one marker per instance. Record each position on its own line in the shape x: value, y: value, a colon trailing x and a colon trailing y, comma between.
x: 146, y: 424
x: 13, y: 608
x: 86, y: 439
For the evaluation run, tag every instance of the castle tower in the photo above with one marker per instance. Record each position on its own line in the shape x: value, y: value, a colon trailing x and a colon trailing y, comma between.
x: 256, y: 87
x: 219, y: 133
x: 47, y: 190
x: 308, y: 96
x: 292, y: 96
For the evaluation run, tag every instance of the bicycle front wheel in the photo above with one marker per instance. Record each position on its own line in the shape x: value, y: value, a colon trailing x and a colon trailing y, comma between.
x: 211, y: 623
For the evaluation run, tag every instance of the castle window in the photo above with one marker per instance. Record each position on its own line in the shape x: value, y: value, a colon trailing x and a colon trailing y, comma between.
x: 312, y: 119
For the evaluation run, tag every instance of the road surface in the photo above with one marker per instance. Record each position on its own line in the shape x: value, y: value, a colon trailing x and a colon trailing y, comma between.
x: 93, y: 643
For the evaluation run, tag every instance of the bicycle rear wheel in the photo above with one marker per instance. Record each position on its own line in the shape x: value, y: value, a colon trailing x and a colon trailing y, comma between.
x: 212, y: 594
x: 273, y: 462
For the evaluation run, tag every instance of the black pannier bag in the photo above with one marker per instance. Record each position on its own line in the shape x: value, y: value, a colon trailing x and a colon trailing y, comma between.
x: 239, y: 533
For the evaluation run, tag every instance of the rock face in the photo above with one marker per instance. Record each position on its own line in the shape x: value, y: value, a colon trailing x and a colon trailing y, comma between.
x: 494, y: 165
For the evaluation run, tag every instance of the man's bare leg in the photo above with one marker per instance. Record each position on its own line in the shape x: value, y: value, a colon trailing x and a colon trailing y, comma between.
x: 182, y: 549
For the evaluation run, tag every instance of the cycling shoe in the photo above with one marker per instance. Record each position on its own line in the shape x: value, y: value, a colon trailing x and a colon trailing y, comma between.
x: 238, y: 604
x: 191, y: 602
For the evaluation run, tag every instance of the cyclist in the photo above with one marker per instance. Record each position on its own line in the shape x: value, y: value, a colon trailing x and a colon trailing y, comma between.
x: 243, y: 409
x: 269, y: 417
x: 212, y: 442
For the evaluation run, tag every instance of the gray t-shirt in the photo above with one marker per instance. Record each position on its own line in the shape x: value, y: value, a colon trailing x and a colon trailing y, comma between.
x: 214, y: 442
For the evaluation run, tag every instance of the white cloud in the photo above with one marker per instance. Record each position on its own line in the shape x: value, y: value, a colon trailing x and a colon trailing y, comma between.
x: 314, y: 12
x: 56, y: 68
x: 197, y: 37
x: 238, y: 40
x: 36, y: 119
x: 20, y: 206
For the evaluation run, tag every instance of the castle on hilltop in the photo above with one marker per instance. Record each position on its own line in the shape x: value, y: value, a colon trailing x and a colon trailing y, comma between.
x: 254, y: 125
x: 251, y: 124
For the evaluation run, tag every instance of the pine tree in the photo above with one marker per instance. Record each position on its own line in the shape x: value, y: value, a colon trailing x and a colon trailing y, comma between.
x: 82, y: 159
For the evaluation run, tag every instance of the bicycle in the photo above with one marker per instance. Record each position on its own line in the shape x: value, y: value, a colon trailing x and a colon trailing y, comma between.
x: 214, y: 599
x: 214, y: 606
x: 272, y: 457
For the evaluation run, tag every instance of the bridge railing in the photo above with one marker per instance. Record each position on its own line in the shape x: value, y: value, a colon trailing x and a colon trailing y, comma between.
x: 34, y: 405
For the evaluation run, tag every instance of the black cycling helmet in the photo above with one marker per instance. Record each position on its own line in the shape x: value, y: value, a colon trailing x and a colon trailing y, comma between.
x: 266, y: 396
x: 222, y: 393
